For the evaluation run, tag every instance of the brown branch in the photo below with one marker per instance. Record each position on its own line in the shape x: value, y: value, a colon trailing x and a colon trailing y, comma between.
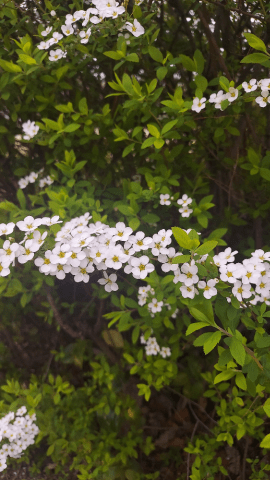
x: 218, y: 4
x: 214, y: 44
x: 188, y: 457
x: 59, y: 318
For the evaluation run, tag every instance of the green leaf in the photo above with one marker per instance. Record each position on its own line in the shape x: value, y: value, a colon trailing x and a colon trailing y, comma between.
x: 265, y: 173
x: 27, y: 59
x: 223, y: 376
x: 9, y: 66
x: 212, y: 342
x: 162, y: 72
x: 206, y: 247
x: 134, y: 223
x: 132, y: 57
x: 240, y: 381
x: 159, y: 143
x: 151, y: 218
x: 65, y: 108
x: 255, y: 42
x: 265, y: 443
x: 201, y: 82
x: 255, y: 58
x: 21, y: 198
x: 168, y: 126
x: 71, y: 127
x: 148, y: 142
x: 153, y: 130
x: 187, y: 63
x: 181, y: 259
x: 199, y: 60
x: 200, y: 341
x: 114, y: 55
x: 83, y: 106
x: 155, y: 54
x: 237, y: 350
x: 196, y: 326
x: 182, y: 238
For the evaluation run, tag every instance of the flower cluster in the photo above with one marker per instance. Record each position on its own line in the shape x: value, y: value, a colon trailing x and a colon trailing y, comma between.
x: 217, y: 98
x: 30, y: 129
x: 32, y: 177
x: 153, y: 348
x: 94, y: 15
x: 185, y: 211
x: 249, y: 278
x: 17, y: 436
x: 82, y: 247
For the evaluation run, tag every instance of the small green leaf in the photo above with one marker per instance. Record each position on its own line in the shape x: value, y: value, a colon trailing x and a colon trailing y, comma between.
x: 181, y: 259
x: 265, y: 443
x: 27, y: 59
x: 211, y: 342
x: 132, y: 57
x: 237, y: 350
x: 240, y: 381
x: 155, y: 54
x: 9, y: 66
x: 206, y: 247
x: 83, y: 106
x: 255, y: 58
x: 153, y: 130
x: 255, y: 42
x: 162, y: 72
x: 265, y: 173
x: 168, y: 126
x: 71, y: 127
x: 182, y: 238
x: 223, y: 376
x: 196, y: 326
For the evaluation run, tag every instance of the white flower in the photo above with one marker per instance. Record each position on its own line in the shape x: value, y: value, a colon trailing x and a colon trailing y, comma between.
x: 7, y: 253
x: 53, y: 13
x: 198, y: 104
x: 6, y: 229
x: 81, y: 273
x: 115, y: 11
x: 28, y: 251
x: 209, y: 288
x: 264, y: 99
x: 85, y: 35
x: 56, y: 37
x: 136, y: 28
x: 109, y: 282
x: 71, y: 19
x: 56, y: 55
x: 232, y: 94
x: 29, y: 224
x: 260, y: 255
x: 155, y: 306
x: 265, y: 84
x: 44, y: 264
x: 116, y: 257
x: 42, y: 46
x: 250, y: 86
x: 140, y: 242
x: 120, y: 232
x: 230, y: 273
x: 30, y: 128
x: 185, y: 211
x: 21, y: 411
x: 46, y: 31
x: 164, y: 199
x: 241, y: 291
x: 60, y: 254
x: 217, y: 98
x: 141, y: 267
x: 23, y: 182
x: 189, y: 274
x: 188, y: 292
x: 51, y: 221
x: 32, y: 177
x: 67, y: 29
x: 4, y: 270
x: 167, y: 260
x: 226, y: 256
x: 184, y: 201
x: 165, y: 352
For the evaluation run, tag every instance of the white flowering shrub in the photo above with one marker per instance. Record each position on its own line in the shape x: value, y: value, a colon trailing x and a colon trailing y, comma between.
x: 135, y: 170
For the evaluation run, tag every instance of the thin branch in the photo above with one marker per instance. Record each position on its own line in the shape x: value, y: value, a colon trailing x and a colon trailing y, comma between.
x: 238, y: 10
x: 214, y: 44
x: 188, y: 457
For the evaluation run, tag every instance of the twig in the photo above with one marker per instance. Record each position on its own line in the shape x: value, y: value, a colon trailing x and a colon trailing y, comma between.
x: 188, y: 457
x: 59, y: 319
x: 244, y: 458
x: 198, y: 420
x: 218, y: 4
x: 214, y: 44
x: 193, y: 403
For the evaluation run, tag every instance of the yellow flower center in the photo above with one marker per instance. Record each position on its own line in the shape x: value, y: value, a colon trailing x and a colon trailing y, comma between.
x: 141, y: 267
